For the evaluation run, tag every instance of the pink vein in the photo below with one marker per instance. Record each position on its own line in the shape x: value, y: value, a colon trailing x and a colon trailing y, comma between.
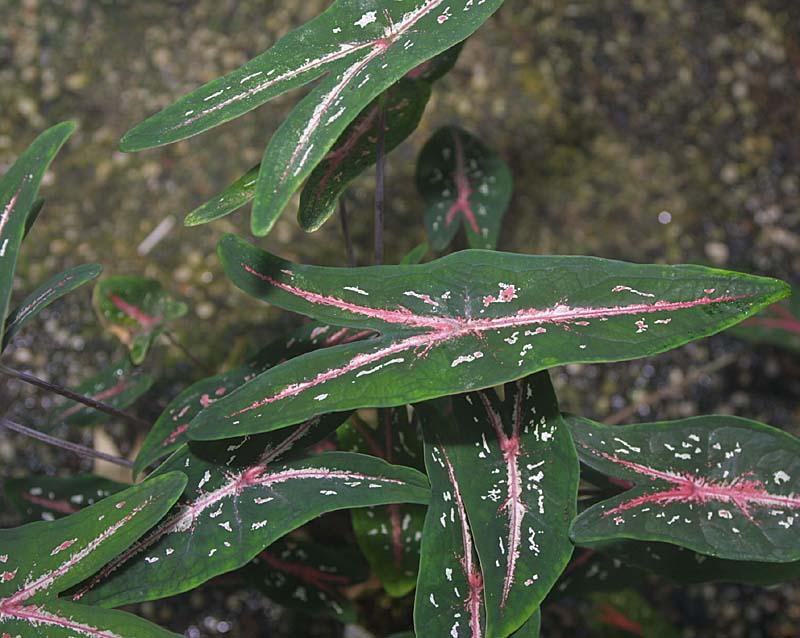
x: 36, y: 615
x: 471, y: 570
x: 689, y: 488
x: 306, y: 573
x: 108, y: 393
x: 443, y: 329
x: 510, y: 446
x: 463, y: 190
x: 62, y: 507
x: 134, y: 312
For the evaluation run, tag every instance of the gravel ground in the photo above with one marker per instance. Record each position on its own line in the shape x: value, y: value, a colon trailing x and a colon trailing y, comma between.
x: 646, y: 131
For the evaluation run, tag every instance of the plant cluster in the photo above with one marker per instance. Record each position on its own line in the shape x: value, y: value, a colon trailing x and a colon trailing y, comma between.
x: 418, y: 395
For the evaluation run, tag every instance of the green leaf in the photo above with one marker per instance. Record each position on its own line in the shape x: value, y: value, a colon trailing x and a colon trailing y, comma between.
x: 40, y: 560
x: 778, y: 325
x: 356, y: 149
x: 33, y: 215
x: 119, y: 385
x: 50, y: 497
x: 309, y: 577
x: 415, y: 255
x: 687, y: 567
x: 719, y: 485
x: 438, y: 66
x: 357, y: 49
x: 18, y: 189
x: 243, y: 495
x: 463, y: 183
x: 504, y: 480
x: 135, y: 310
x: 53, y: 289
x: 169, y: 431
x: 467, y: 321
x: 529, y: 630
x: 389, y: 535
x: 626, y: 613
x: 592, y: 571
x: 229, y: 200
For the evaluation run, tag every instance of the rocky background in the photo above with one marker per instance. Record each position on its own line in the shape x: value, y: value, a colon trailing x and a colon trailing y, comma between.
x: 646, y: 131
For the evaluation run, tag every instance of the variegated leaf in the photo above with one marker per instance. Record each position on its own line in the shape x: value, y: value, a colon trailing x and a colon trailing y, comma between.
x: 119, y: 385
x: 467, y: 321
x: 390, y: 535
x: 240, y: 499
x: 357, y: 48
x: 135, y: 310
x: 719, y: 485
x: 40, y: 560
x: 356, y: 150
x: 309, y: 577
x: 777, y: 325
x: 464, y: 183
x: 231, y: 199
x: 50, y: 497
x: 53, y: 289
x: 169, y: 431
x: 18, y: 189
x: 516, y: 473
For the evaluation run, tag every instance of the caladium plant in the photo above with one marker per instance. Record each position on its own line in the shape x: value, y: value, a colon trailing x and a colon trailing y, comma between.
x: 464, y: 482
x: 777, y: 325
x: 41, y: 560
x: 466, y: 321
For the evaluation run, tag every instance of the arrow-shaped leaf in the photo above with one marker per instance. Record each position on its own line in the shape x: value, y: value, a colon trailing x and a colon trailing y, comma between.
x: 118, y: 385
x: 464, y: 183
x: 469, y: 320
x: 309, y: 577
x: 51, y: 290
x: 18, y: 189
x: 390, y: 535
x: 358, y: 49
x: 719, y: 485
x: 50, y: 497
x: 777, y: 325
x: 515, y: 470
x: 135, y: 310
x: 40, y: 560
x: 240, y: 500
x: 169, y: 431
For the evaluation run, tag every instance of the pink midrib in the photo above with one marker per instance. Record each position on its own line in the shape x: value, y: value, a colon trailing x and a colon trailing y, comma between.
x: 306, y: 573
x: 447, y: 328
x: 7, y: 211
x: 463, y: 190
x: 108, y: 393
x: 134, y: 312
x: 36, y: 615
x: 692, y: 489
x: 471, y: 571
x: 62, y: 507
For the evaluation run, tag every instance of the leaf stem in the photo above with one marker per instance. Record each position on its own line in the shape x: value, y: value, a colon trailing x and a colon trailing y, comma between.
x: 380, y: 177
x: 69, y: 394
x: 348, y: 240
x: 80, y: 450
x: 187, y: 353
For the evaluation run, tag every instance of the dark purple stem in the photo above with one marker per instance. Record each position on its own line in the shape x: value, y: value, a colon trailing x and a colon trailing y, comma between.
x: 69, y: 394
x: 380, y: 174
x: 80, y: 450
x: 187, y: 353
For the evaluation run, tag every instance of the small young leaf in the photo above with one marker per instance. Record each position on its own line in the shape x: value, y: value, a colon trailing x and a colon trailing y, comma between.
x: 467, y: 321
x: 18, y: 189
x: 118, y: 385
x: 516, y: 473
x: 463, y: 183
x: 357, y: 49
x: 389, y: 535
x: 719, y: 485
x: 50, y: 497
x: 229, y: 200
x: 355, y: 150
x: 309, y: 577
x: 40, y: 560
x: 135, y: 310
x: 777, y: 325
x: 169, y: 431
x: 240, y: 499
x: 53, y: 289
